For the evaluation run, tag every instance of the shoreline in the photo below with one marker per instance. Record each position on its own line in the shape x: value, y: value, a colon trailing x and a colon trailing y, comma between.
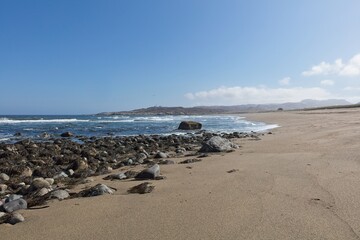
x: 298, y: 183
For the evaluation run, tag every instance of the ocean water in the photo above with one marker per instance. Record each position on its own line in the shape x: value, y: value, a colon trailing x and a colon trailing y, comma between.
x: 99, y: 126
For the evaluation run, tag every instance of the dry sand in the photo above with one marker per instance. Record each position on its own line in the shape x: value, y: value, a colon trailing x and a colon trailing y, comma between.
x: 301, y: 182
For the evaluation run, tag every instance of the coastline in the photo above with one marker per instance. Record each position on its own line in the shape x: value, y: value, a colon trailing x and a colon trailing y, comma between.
x: 298, y: 183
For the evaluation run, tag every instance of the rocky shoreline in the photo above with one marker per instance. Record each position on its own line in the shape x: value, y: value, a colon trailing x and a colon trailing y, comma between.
x: 34, y: 172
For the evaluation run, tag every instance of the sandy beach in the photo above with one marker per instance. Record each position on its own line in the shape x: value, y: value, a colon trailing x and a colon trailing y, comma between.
x: 300, y: 182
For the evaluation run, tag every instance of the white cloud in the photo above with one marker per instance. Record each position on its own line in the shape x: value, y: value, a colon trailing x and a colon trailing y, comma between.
x: 285, y: 81
x: 327, y: 82
x: 256, y: 95
x: 351, y: 68
x: 352, y: 88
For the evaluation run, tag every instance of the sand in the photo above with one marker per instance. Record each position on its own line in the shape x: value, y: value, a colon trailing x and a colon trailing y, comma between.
x: 301, y: 182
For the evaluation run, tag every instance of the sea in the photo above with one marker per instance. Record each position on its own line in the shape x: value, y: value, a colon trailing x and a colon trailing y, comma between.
x: 14, y: 128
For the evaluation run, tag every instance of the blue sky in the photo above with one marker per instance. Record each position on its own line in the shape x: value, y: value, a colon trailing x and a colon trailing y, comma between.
x: 68, y: 57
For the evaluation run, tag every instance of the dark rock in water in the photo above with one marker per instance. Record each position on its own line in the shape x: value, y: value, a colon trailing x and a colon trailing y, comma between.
x: 67, y: 134
x: 189, y: 125
x: 149, y: 173
x: 99, y: 189
x: 190, y: 161
x: 44, y: 135
x: 15, y: 205
x: 217, y: 144
x: 18, y: 134
x: 142, y: 188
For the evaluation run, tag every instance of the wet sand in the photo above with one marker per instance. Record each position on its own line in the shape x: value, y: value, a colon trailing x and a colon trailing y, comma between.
x: 301, y: 182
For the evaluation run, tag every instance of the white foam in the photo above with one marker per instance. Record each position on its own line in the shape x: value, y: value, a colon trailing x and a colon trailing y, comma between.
x: 14, y: 121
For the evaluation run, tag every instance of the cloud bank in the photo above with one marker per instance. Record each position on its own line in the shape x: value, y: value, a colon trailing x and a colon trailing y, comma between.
x: 339, y: 68
x: 285, y: 81
x: 327, y: 82
x: 256, y: 95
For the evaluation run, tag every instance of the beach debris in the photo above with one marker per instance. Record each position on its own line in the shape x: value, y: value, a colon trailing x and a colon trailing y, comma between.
x: 15, y: 205
x: 189, y: 125
x: 193, y: 160
x: 142, y: 188
x: 217, y: 144
x: 97, y: 190
x: 232, y: 170
x: 149, y: 173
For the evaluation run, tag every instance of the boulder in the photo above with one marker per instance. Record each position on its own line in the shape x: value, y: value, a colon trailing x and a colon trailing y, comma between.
x: 16, y: 218
x: 217, y: 144
x: 59, y: 194
x: 15, y: 205
x: 149, y: 173
x: 160, y: 155
x: 189, y: 125
x: 142, y: 188
x: 67, y: 134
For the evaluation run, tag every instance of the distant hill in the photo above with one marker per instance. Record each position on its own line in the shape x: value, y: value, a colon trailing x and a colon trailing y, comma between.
x: 204, y: 110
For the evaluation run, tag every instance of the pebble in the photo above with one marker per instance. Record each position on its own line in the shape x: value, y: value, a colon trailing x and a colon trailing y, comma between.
x: 4, y: 177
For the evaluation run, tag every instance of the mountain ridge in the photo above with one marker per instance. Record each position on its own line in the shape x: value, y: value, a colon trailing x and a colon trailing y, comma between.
x: 244, y: 108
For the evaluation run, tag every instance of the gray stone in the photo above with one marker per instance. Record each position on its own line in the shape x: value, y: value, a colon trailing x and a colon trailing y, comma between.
x: 141, y: 157
x: 4, y: 177
x: 2, y: 214
x: 15, y: 205
x: 217, y: 144
x: 149, y: 173
x: 16, y: 218
x: 59, y: 194
x: 166, y: 162
x: 3, y: 188
x: 13, y: 197
x: 189, y: 125
x: 27, y: 172
x: 160, y: 155
x: 67, y: 134
x: 39, y: 183
x: 50, y: 180
x: 71, y: 172
x: 42, y: 192
x: 61, y: 175
x: 99, y: 189
x: 116, y: 176
x: 142, y: 188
